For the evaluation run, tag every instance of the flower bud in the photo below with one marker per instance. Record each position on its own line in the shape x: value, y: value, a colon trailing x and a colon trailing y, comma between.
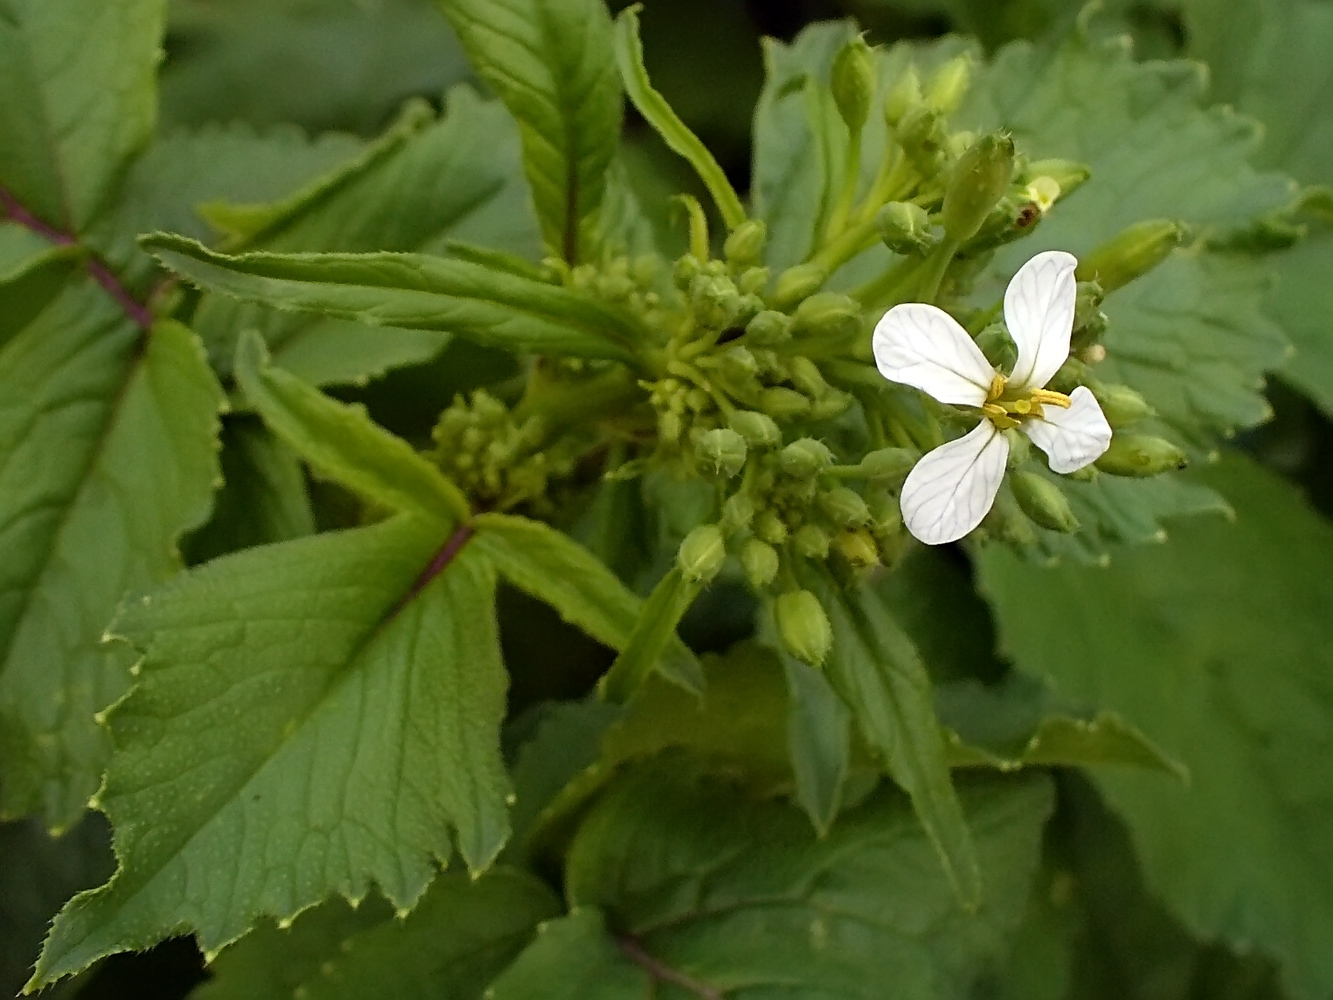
x: 858, y: 548
x: 1089, y: 320
x: 684, y: 272
x: 1041, y: 500
x: 745, y: 245
x: 716, y: 301
x: 1131, y: 254
x: 722, y: 450
x: 853, y: 83
x: 903, y: 97
x: 805, y: 375
x: 1069, y: 376
x: 828, y: 314
x: 738, y: 362
x: 758, y: 429
x: 769, y: 527
x: 760, y: 562
x: 845, y: 507
x: 904, y: 228
x: 1140, y: 455
x: 702, y: 553
x: 811, y: 541
x: 921, y: 135
x: 1020, y: 448
x: 737, y: 513
x: 797, y: 283
x: 803, y: 626
x: 805, y: 459
x: 769, y: 328
x: 753, y: 280
x: 888, y: 463
x: 948, y: 85
x: 783, y: 403
x: 1069, y: 175
x: 979, y: 180
x: 834, y: 403
x: 1122, y: 405
x: 886, y: 516
x: 998, y: 347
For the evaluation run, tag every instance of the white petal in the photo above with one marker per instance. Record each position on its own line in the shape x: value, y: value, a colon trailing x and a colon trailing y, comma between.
x: 1074, y: 437
x: 949, y: 491
x: 1039, y: 310
x: 923, y: 346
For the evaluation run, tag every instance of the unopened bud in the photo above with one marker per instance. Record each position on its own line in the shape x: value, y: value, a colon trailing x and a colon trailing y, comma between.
x: 753, y: 280
x: 1089, y: 320
x: 998, y: 347
x: 716, y: 301
x: 886, y: 516
x: 828, y: 314
x: 1069, y: 376
x: 805, y: 375
x: 1131, y: 254
x: 903, y: 97
x: 845, y: 507
x: 784, y: 404
x: 745, y: 245
x: 834, y: 403
x: 1020, y: 448
x: 853, y: 83
x: 760, y: 562
x: 803, y: 626
x: 758, y: 429
x: 798, y: 283
x: 948, y: 85
x: 702, y: 553
x: 921, y: 135
x: 811, y: 541
x: 904, y: 228
x: 1068, y: 175
x: 684, y: 272
x: 769, y: 527
x: 1122, y: 405
x: 738, y: 362
x: 858, y: 548
x: 1141, y: 455
x: 888, y: 463
x: 805, y: 459
x: 979, y: 180
x: 722, y: 450
x: 769, y: 328
x: 1041, y: 500
x: 737, y: 513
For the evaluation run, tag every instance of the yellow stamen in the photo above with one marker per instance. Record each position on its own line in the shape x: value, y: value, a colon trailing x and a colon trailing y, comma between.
x: 996, y: 388
x: 1050, y: 396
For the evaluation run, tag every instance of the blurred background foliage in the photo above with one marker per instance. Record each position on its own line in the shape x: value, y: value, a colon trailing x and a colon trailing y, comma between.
x: 348, y: 65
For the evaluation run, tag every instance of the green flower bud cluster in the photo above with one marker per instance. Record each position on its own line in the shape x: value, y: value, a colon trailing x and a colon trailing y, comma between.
x: 630, y: 282
x: 498, y: 462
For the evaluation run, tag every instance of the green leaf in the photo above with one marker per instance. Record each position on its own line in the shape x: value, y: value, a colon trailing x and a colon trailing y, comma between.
x: 80, y: 100
x: 1301, y: 304
x: 342, y: 443
x: 711, y: 893
x: 462, y: 934
x: 310, y: 718
x: 674, y: 132
x: 1216, y: 647
x: 653, y: 636
x: 415, y: 291
x: 553, y: 568
x: 553, y: 65
x: 877, y: 671
x: 22, y: 251
x: 819, y: 741
x: 107, y: 455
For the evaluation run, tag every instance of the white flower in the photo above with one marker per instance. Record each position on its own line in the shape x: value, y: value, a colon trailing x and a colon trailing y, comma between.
x: 950, y: 490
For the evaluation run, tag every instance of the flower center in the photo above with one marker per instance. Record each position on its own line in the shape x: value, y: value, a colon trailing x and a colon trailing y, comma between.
x: 1007, y: 407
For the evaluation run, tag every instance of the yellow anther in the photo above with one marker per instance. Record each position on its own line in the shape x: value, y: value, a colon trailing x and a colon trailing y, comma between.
x: 1053, y: 398
x: 996, y: 388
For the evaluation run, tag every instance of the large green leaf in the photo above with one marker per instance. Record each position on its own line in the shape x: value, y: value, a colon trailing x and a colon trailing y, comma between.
x: 1217, y: 647
x: 415, y: 291
x: 78, y: 80
x: 552, y: 62
x: 107, y: 456
x: 710, y: 893
x: 310, y: 718
x: 463, y: 933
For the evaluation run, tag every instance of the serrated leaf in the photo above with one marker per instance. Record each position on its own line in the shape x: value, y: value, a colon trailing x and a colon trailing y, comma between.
x: 412, y: 291
x: 710, y: 893
x: 553, y: 568
x: 107, y: 455
x: 553, y: 65
x: 338, y: 699
x: 674, y: 132
x: 80, y: 100
x: 342, y: 443
x: 877, y: 671
x: 463, y: 934
x: 1216, y: 646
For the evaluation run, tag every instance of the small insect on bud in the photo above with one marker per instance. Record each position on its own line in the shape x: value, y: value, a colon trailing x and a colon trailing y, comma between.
x: 905, y: 228
x: 798, y: 283
x: 903, y: 97
x: 769, y: 328
x: 702, y: 553
x: 784, y: 404
x: 805, y: 459
x: 758, y: 429
x: 1041, y: 500
x: 845, y: 507
x: 1131, y: 254
x: 948, y: 85
x: 760, y: 562
x: 828, y: 314
x: 745, y: 245
x: 979, y: 180
x: 853, y: 83
x: 803, y: 626
x: 1141, y: 455
x: 721, y: 450
x: 811, y: 541
x: 769, y: 527
x: 921, y: 135
x: 737, y: 513
x: 1122, y: 405
x: 858, y: 548
x: 888, y: 463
